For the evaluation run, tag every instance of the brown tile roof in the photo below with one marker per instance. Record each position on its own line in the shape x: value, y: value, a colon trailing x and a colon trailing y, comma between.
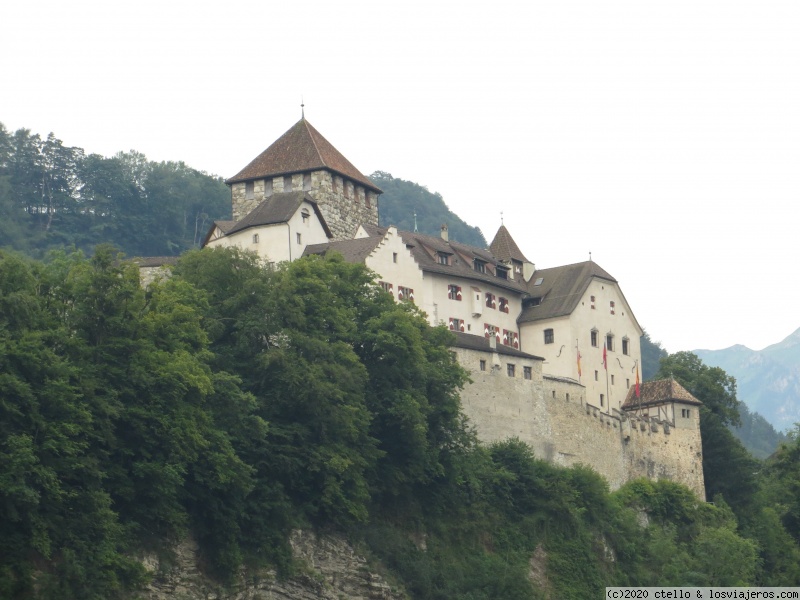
x: 658, y: 392
x: 354, y: 251
x: 481, y: 343
x: 505, y: 248
x: 301, y: 149
x: 278, y: 208
x: 561, y: 289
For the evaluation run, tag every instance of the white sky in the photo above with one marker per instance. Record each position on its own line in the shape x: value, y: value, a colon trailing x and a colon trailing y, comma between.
x: 662, y: 136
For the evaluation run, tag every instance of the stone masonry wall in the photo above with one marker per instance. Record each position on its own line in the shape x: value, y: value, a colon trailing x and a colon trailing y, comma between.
x: 342, y: 214
x: 619, y: 446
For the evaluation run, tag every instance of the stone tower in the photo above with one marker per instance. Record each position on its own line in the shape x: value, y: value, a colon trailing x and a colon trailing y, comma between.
x: 301, y: 159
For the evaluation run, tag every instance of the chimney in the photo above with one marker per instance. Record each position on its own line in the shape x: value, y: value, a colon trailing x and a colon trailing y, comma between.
x: 445, y: 237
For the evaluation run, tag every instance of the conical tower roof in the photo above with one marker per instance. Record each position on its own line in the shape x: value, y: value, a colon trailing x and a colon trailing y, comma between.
x: 505, y: 248
x: 301, y: 149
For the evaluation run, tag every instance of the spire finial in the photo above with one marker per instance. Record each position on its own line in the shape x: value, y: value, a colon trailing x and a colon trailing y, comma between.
x: 501, y: 217
x: 590, y: 256
x: 302, y: 108
x: 415, y: 221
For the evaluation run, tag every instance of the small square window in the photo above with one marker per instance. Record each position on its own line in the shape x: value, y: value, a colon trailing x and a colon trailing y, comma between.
x: 549, y: 338
x: 527, y: 372
x: 510, y: 369
x: 454, y: 292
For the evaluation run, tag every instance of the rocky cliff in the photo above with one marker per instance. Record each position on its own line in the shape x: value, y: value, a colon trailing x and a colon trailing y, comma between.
x: 334, y: 570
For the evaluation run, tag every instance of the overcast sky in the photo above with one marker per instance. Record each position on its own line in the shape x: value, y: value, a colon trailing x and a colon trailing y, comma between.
x: 661, y: 136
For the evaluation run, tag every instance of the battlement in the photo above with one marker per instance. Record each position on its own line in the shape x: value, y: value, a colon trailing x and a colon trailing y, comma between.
x: 551, y: 414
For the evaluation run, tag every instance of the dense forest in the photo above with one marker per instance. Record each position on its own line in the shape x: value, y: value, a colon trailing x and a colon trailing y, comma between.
x: 54, y: 196
x: 239, y: 402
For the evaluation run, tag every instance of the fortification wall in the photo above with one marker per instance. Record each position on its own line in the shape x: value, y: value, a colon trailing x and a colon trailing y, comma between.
x: 551, y: 415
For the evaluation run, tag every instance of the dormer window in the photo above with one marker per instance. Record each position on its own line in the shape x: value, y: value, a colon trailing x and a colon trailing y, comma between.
x: 479, y: 265
x: 443, y: 258
x: 502, y: 272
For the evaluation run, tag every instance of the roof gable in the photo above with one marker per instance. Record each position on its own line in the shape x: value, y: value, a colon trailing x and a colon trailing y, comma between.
x: 561, y: 289
x: 278, y: 208
x: 302, y: 148
x: 353, y: 251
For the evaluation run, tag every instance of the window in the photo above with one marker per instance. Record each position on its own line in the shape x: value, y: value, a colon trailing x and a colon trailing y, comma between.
x: 567, y: 397
x: 527, y: 372
x: 346, y: 188
x: 594, y: 338
x: 305, y: 214
x: 549, y: 338
x: 502, y: 272
x: 611, y: 306
x: 479, y: 265
x: 366, y: 199
x: 602, y: 400
x: 249, y: 190
x: 405, y: 293
x: 489, y: 330
x: 503, y: 305
x: 686, y: 413
x: 627, y: 384
x: 387, y: 286
x: 454, y: 292
x: 299, y: 239
x: 287, y: 183
x: 483, y: 365
x: 592, y: 299
x: 510, y: 369
x: 610, y: 342
x: 335, y: 184
x: 491, y: 300
x: 538, y: 281
x: 394, y: 257
x: 625, y: 348
x: 443, y: 258
x: 456, y: 324
x: 255, y: 238
x: 306, y: 181
x: 595, y: 375
x: 268, y: 187
x: 612, y: 380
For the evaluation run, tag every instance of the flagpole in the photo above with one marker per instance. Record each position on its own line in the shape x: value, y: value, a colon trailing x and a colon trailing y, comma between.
x: 608, y: 393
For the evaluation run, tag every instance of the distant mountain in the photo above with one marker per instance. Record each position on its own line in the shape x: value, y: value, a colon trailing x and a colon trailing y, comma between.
x: 402, y: 199
x: 768, y: 380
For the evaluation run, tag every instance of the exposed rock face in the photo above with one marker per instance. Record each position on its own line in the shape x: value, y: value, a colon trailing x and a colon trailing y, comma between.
x: 334, y: 572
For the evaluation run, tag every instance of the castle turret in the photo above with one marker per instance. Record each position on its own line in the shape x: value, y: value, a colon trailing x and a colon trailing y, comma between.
x: 301, y: 159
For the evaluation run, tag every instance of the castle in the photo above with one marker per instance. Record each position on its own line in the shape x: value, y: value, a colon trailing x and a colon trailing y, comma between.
x: 553, y: 353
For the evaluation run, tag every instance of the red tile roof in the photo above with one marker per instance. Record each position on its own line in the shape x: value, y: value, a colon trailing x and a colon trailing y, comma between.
x: 658, y: 392
x: 301, y: 149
